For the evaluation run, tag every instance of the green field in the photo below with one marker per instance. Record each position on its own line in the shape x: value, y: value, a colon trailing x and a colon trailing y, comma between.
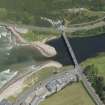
x: 71, y: 95
x: 99, y: 63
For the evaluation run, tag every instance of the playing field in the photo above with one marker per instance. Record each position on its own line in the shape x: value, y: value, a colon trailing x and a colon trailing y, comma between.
x: 71, y: 95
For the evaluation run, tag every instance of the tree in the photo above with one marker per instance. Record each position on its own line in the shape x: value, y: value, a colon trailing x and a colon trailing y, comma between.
x: 97, y: 81
x: 3, y: 13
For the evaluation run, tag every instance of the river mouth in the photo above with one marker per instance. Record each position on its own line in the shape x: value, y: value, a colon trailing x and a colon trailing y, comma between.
x: 84, y: 48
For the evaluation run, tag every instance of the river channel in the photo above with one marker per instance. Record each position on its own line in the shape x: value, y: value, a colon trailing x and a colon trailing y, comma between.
x: 84, y: 48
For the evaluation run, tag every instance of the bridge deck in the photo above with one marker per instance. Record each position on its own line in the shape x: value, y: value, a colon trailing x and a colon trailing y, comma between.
x: 85, y: 82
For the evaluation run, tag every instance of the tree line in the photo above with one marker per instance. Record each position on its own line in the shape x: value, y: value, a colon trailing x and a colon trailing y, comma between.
x: 97, y: 81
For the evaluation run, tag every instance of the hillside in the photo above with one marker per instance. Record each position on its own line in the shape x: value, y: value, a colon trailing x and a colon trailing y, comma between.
x: 30, y: 11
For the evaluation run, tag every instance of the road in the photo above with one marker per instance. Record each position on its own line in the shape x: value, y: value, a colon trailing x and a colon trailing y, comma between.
x: 19, y: 39
x: 22, y: 42
x: 19, y: 77
x: 25, y: 94
x: 73, y: 28
x: 85, y: 27
x: 83, y: 78
x: 79, y: 70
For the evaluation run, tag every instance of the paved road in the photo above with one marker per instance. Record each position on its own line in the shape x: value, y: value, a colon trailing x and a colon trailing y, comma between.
x: 72, y: 28
x: 89, y: 23
x: 79, y: 10
x: 27, y: 93
x: 87, y: 85
x: 85, y: 27
x: 71, y: 53
x: 20, y: 76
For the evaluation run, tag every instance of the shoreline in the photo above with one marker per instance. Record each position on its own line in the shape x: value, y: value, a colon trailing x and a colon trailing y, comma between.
x: 19, y: 83
x: 45, y: 49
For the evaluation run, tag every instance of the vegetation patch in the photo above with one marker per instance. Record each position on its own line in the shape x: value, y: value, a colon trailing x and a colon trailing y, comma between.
x: 94, y: 69
x: 29, y: 12
x: 98, y: 82
x: 41, y: 75
x: 39, y: 36
x: 92, y: 32
x: 73, y: 94
x: 98, y: 62
x: 12, y: 99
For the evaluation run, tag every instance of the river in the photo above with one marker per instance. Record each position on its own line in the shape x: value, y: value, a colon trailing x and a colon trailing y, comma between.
x: 20, y: 58
x: 84, y: 47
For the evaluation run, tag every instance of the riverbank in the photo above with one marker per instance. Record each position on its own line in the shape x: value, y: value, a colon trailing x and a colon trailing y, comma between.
x: 84, y: 48
x: 43, y: 48
x: 17, y: 87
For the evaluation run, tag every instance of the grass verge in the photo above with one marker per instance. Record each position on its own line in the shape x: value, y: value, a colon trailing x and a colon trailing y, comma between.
x: 71, y: 95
